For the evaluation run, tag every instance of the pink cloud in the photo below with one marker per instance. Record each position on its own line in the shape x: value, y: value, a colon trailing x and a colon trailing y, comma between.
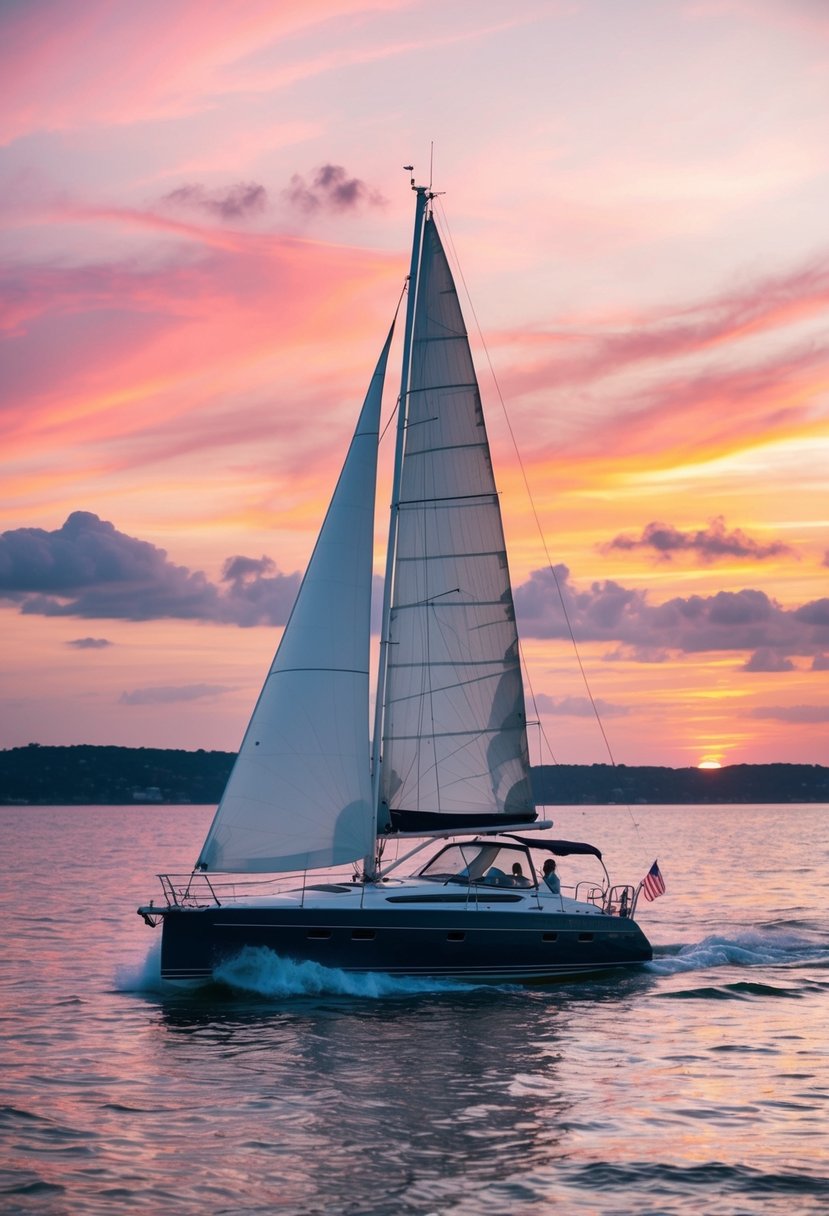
x: 770, y: 304
x: 85, y: 344
x: 57, y: 77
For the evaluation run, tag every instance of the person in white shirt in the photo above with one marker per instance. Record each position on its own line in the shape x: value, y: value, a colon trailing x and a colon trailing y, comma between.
x: 550, y: 877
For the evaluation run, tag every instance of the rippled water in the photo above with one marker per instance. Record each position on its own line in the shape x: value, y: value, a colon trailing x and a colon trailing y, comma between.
x: 697, y: 1085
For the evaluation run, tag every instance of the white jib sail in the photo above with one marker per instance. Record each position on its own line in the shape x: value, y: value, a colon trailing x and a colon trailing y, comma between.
x: 454, y: 734
x: 299, y: 795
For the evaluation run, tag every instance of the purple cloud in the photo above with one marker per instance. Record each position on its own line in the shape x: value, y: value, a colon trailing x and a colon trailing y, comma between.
x: 766, y: 659
x: 816, y: 613
x: 87, y: 568
x: 234, y: 203
x: 707, y: 545
x: 89, y: 643
x: 331, y: 189
x: 608, y: 612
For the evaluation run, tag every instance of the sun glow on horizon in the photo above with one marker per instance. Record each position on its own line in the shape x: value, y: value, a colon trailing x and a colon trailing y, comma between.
x: 709, y: 763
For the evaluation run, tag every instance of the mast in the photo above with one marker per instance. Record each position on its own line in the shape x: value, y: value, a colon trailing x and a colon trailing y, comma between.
x: 422, y: 199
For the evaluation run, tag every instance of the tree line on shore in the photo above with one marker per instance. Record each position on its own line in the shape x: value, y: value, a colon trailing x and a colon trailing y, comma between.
x: 87, y: 775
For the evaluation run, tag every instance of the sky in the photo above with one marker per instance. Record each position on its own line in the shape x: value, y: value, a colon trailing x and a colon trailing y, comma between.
x: 205, y: 232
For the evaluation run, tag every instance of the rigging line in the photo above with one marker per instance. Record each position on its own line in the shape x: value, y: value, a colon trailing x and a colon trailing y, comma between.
x: 526, y: 670
x: 570, y: 631
x: 391, y: 419
x: 393, y: 414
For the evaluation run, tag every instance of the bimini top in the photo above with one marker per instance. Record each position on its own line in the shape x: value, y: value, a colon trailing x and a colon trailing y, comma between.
x: 561, y: 848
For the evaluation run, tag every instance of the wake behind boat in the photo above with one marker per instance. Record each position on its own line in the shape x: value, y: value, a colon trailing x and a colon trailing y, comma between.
x: 448, y: 758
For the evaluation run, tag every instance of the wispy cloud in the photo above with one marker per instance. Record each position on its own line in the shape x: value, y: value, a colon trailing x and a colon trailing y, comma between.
x: 161, y: 333
x: 236, y: 202
x: 89, y: 643
x: 580, y: 707
x: 52, y: 63
x: 167, y: 694
x: 680, y: 383
x: 791, y: 713
x: 675, y: 331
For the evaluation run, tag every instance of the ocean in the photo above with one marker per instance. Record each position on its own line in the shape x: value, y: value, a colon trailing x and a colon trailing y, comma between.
x: 699, y: 1084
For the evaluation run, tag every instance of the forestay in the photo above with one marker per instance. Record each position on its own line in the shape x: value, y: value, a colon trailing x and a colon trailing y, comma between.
x: 299, y: 795
x: 454, y: 736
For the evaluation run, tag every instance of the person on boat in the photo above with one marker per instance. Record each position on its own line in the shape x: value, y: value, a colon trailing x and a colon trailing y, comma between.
x: 552, y: 879
x: 518, y: 879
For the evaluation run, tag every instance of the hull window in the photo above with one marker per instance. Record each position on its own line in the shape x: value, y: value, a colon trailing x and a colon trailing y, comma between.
x: 362, y: 935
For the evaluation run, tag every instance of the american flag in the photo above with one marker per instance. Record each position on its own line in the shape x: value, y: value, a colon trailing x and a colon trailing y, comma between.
x: 653, y: 884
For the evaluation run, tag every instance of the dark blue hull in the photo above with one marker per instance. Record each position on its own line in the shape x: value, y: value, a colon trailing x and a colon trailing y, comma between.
x: 484, y: 946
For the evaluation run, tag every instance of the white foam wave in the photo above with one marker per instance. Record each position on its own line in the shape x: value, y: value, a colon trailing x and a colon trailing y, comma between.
x: 143, y: 976
x: 256, y: 969
x: 749, y: 949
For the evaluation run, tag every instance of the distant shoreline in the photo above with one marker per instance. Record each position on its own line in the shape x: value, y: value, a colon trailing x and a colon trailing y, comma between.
x: 87, y: 775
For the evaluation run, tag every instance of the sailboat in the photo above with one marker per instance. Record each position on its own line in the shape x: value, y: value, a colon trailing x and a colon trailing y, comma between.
x: 298, y: 857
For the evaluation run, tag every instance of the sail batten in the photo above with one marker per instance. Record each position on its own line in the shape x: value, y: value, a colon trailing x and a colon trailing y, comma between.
x: 436, y: 500
x: 437, y: 388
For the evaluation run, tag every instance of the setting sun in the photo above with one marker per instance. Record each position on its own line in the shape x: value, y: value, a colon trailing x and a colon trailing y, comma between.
x: 709, y: 764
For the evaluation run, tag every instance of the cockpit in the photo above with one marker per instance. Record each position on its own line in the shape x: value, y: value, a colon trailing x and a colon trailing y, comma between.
x: 489, y: 863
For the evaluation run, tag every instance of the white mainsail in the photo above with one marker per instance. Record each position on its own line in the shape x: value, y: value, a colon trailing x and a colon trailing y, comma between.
x: 299, y: 795
x: 454, y: 731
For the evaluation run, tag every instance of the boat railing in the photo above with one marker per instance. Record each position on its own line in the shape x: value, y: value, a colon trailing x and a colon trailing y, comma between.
x: 188, y: 890
x: 198, y: 890
x: 590, y: 893
x: 613, y: 901
x: 621, y: 901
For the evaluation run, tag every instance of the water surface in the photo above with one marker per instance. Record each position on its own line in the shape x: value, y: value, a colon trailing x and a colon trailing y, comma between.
x: 698, y: 1084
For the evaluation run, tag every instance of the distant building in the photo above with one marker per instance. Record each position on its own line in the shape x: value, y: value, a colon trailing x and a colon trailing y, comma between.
x: 151, y: 794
